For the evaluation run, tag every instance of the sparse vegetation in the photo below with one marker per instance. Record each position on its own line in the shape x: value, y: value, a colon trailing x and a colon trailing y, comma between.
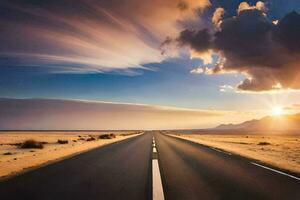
x: 31, y: 144
x: 62, y: 141
x: 107, y: 136
x: 128, y: 134
x: 29, y: 155
x: 90, y: 139
x: 263, y: 143
x: 44, y: 142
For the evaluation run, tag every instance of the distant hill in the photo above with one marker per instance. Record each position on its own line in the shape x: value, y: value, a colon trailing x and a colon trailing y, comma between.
x: 269, y: 123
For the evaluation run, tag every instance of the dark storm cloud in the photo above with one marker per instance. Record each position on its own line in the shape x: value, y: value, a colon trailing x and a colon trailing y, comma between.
x: 276, y: 8
x: 198, y: 40
x: 250, y: 43
x: 288, y: 32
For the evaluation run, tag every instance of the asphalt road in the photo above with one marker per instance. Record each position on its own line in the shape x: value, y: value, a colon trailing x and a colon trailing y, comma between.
x: 117, y: 171
x: 123, y: 171
x: 192, y: 171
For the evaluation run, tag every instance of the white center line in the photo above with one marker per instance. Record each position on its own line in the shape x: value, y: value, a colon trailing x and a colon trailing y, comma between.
x: 157, y: 189
x: 154, y: 150
x: 277, y: 171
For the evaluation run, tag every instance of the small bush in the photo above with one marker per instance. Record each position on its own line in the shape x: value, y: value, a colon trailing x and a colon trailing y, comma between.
x: 44, y: 142
x: 263, y: 143
x: 31, y: 144
x: 107, y: 136
x: 7, y: 153
x: 90, y: 139
x: 104, y: 136
x: 62, y: 141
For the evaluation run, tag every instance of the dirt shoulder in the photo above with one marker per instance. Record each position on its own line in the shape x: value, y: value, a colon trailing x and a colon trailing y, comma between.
x: 282, y: 151
x: 14, y: 160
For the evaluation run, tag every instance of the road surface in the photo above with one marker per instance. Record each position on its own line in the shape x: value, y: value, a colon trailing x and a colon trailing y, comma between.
x: 123, y: 170
x: 192, y: 171
x: 117, y: 171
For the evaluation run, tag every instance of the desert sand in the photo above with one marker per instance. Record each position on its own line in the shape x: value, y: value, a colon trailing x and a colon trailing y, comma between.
x: 282, y: 151
x: 14, y: 160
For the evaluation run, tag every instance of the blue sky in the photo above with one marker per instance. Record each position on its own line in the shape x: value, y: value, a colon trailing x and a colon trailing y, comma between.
x: 111, y: 51
x: 168, y: 83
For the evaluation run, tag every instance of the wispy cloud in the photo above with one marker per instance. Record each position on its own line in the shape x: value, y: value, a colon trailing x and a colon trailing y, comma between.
x: 89, y: 36
x: 226, y: 88
x: 198, y: 70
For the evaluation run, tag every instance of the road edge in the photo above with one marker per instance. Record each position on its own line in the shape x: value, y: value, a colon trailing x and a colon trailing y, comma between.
x: 50, y: 162
x: 249, y: 159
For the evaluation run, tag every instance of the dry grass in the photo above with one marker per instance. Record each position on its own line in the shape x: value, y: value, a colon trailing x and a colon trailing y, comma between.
x: 14, y: 159
x: 282, y: 151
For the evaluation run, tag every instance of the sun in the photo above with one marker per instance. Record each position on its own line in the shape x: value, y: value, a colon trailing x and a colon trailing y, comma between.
x: 277, y: 110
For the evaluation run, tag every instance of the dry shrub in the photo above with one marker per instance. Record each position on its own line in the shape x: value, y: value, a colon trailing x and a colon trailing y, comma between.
x: 263, y: 143
x: 31, y: 144
x: 107, y: 136
x: 62, y: 141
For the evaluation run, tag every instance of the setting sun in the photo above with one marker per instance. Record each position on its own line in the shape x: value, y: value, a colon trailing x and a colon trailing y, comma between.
x: 277, y: 110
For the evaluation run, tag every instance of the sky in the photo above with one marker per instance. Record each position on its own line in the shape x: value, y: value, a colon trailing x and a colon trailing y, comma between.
x: 235, y: 60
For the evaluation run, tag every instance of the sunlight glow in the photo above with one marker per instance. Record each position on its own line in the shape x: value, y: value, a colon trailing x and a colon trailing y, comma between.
x: 277, y: 110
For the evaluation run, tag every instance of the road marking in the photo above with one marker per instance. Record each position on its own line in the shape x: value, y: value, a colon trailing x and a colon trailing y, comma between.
x: 277, y: 171
x: 157, y: 188
x: 221, y: 151
x: 154, y: 150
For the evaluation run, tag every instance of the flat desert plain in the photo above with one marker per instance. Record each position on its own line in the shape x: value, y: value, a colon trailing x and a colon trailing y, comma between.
x: 282, y: 151
x: 14, y: 159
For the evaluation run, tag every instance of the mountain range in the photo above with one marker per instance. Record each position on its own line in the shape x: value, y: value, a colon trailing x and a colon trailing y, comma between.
x: 268, y: 123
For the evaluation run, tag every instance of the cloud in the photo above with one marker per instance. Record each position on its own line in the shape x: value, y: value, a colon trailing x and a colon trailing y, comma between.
x: 226, y: 88
x: 89, y: 36
x: 294, y: 107
x: 51, y: 114
x: 197, y: 70
x: 217, y: 16
x: 183, y: 5
x: 199, y: 41
x: 268, y: 54
x: 245, y: 6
